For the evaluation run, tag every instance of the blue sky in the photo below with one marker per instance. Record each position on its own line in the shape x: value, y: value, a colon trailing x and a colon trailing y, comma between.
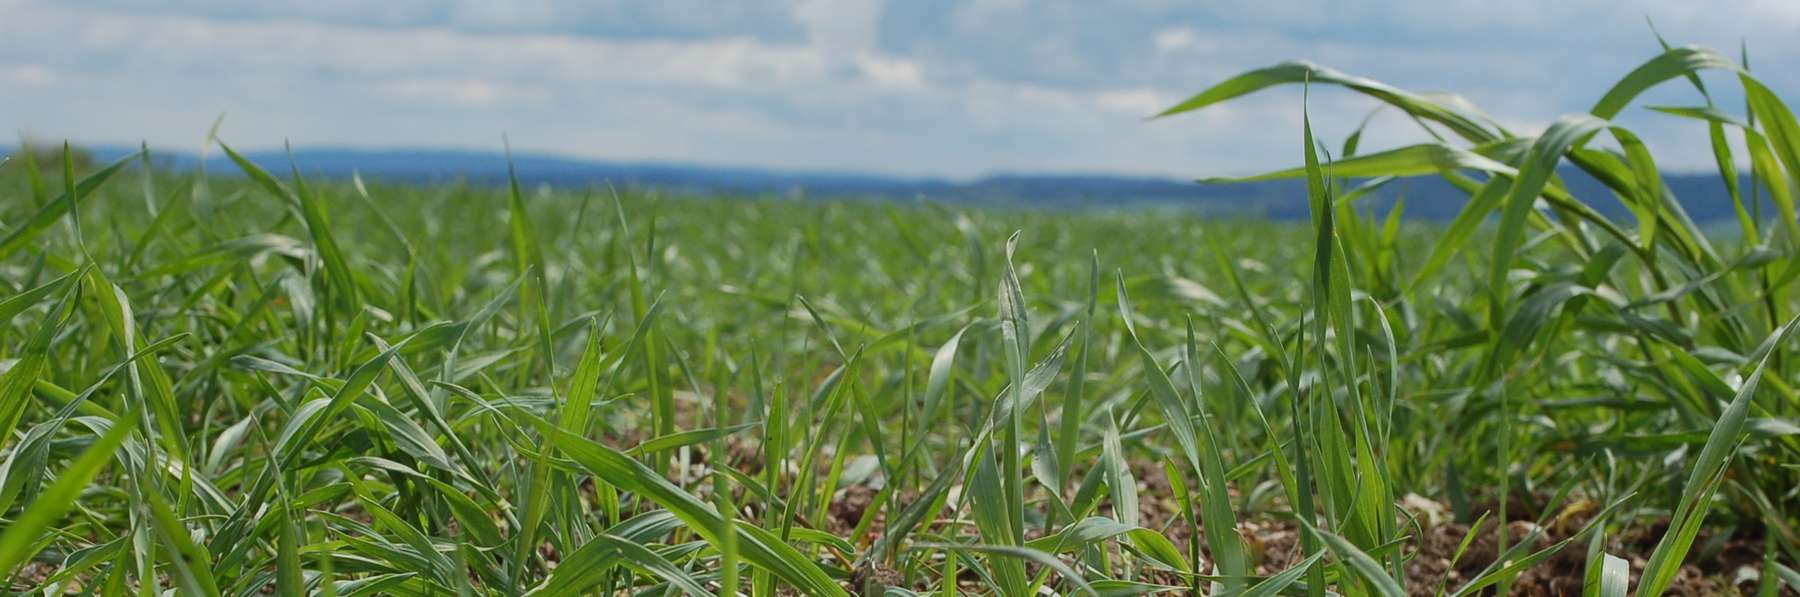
x: 930, y: 87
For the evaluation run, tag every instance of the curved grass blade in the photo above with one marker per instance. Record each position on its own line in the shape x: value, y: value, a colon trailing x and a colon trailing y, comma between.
x: 757, y: 546
x: 1411, y: 160
x: 1708, y: 471
x: 47, y: 215
x: 17, y: 541
x: 1017, y: 553
x: 1413, y: 104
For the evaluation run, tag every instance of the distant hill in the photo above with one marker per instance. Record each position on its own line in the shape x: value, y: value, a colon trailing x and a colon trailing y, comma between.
x: 1427, y: 197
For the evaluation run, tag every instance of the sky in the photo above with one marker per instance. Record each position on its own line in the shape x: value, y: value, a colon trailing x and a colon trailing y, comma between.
x: 908, y: 87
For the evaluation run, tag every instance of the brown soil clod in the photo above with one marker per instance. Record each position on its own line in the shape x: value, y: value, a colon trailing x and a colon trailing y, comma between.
x: 849, y: 507
x: 869, y: 579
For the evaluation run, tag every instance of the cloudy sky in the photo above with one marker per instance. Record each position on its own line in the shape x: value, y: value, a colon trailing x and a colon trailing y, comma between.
x: 933, y: 87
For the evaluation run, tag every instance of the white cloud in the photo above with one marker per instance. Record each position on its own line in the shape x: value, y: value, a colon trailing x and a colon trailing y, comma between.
x: 839, y: 25
x: 1142, y: 101
x: 892, y: 73
x: 511, y: 14
x: 465, y: 92
x: 1174, y: 38
x: 29, y: 75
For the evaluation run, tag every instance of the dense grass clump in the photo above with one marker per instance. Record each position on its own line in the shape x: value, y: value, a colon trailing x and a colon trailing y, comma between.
x: 237, y: 385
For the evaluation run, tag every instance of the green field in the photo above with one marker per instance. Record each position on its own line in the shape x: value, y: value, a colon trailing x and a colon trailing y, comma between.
x: 250, y: 382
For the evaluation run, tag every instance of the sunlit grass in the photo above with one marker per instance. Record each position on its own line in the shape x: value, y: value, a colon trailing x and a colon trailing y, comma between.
x: 232, y: 385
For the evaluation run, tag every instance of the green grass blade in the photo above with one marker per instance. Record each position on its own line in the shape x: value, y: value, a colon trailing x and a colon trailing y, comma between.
x: 1020, y: 554
x: 24, y: 233
x: 1540, y: 164
x: 1358, y: 561
x: 758, y: 547
x: 1708, y: 470
x: 1411, y: 160
x: 17, y: 541
x: 1678, y: 62
x: 1277, y: 583
x: 1304, y: 72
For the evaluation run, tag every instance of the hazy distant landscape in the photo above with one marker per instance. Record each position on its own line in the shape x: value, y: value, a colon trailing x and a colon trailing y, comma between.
x: 1428, y: 198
